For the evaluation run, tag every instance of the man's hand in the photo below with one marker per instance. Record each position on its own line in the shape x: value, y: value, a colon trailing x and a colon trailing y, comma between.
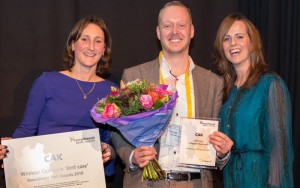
x: 142, y: 155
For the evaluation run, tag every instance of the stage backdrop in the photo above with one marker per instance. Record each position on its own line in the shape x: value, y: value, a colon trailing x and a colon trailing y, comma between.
x: 33, y: 34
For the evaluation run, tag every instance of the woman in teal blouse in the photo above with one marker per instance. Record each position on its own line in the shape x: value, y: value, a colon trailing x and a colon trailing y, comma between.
x: 256, y: 114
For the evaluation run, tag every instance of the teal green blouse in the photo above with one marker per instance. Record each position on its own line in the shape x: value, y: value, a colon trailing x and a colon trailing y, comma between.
x: 259, y: 122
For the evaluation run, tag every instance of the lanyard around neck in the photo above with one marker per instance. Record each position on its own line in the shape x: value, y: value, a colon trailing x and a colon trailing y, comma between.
x: 187, y: 86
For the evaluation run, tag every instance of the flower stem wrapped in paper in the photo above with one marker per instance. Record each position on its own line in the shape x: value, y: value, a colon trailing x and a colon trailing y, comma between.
x: 140, y: 110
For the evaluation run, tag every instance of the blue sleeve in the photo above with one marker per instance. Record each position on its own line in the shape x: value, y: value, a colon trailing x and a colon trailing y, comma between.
x: 280, y: 118
x: 104, y: 136
x: 109, y: 167
x: 34, y: 107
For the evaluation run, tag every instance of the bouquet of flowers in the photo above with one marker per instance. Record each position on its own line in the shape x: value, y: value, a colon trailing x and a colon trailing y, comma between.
x: 129, y: 107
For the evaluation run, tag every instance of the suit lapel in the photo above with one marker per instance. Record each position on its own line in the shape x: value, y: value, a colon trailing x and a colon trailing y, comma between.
x: 201, y: 88
x: 150, y: 71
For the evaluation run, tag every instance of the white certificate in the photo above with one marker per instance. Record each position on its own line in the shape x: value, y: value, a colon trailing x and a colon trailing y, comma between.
x: 71, y: 159
x: 195, y: 149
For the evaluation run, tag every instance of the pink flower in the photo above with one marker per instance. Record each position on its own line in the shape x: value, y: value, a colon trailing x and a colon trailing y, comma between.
x: 163, y: 92
x: 114, y: 93
x: 146, y: 101
x: 111, y: 111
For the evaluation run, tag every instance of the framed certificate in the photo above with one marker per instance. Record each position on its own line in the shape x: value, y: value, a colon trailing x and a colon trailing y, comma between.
x: 71, y: 159
x: 195, y: 149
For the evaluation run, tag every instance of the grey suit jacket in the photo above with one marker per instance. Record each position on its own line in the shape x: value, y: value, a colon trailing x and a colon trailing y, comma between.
x: 208, y: 100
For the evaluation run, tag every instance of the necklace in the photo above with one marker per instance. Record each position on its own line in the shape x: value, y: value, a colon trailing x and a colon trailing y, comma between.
x: 173, y: 75
x: 85, y: 94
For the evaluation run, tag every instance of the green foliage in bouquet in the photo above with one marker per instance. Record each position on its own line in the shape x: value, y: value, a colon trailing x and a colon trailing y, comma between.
x: 133, y: 98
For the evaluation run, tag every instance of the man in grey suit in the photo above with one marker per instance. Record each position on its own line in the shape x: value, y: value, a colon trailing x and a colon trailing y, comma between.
x: 200, y: 95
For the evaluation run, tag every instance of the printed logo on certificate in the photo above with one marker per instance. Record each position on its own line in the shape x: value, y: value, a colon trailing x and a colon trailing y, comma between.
x: 195, y: 149
x: 71, y: 159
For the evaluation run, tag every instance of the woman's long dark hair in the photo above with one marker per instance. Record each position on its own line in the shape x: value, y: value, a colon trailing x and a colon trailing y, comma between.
x: 258, y: 65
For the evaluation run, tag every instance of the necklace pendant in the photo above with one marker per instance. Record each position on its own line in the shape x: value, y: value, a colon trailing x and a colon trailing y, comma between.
x: 85, y: 94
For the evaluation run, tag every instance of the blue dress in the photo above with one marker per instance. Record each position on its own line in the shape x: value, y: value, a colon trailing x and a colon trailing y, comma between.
x: 55, y: 105
x: 260, y: 124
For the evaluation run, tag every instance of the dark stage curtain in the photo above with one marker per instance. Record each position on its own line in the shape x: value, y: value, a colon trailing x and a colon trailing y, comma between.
x: 279, y: 24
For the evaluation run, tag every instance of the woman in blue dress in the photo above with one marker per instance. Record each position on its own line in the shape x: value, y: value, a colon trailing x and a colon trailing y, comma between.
x: 256, y: 113
x: 61, y: 101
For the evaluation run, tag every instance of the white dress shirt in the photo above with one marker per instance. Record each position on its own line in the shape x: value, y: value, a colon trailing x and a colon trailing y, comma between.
x: 170, y: 140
